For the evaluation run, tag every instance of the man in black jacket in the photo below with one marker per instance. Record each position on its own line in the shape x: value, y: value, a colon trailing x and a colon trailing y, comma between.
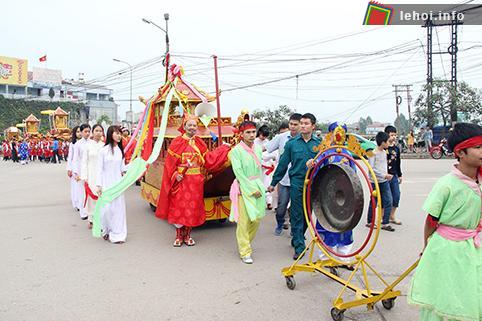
x: 394, y: 168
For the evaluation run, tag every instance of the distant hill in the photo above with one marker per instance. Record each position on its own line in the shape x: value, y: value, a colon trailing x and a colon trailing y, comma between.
x: 13, y: 111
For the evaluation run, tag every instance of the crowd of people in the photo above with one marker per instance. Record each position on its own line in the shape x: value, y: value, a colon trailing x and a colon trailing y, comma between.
x: 452, y: 229
x: 262, y: 168
x: 96, y: 160
x: 270, y: 175
x: 422, y: 142
x: 25, y: 150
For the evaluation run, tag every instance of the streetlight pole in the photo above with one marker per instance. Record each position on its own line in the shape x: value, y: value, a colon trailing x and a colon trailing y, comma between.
x: 130, y: 100
x: 166, y: 18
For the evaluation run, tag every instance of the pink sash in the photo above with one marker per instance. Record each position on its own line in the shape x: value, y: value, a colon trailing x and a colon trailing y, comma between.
x: 235, y: 191
x: 251, y: 152
x: 457, y: 234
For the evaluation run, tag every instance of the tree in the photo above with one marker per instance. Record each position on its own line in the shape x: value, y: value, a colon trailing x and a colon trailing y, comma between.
x: 104, y: 118
x: 273, y: 118
x: 363, y: 123
x: 402, y: 124
x: 51, y: 93
x: 12, y: 111
x: 323, y: 127
x: 468, y: 104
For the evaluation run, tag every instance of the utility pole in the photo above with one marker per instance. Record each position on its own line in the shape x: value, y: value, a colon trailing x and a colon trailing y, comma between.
x: 409, y: 100
x: 297, y: 79
x: 429, y: 25
x: 398, y: 100
x: 399, y: 89
x: 452, y: 50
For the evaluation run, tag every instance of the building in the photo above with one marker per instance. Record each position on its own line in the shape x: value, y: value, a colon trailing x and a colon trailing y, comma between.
x: 353, y: 128
x: 375, y: 127
x: 38, y: 84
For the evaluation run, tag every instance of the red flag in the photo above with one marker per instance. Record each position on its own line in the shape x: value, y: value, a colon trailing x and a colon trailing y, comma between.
x: 43, y: 58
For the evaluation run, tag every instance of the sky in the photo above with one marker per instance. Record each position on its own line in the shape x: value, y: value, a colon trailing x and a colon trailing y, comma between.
x: 353, y: 66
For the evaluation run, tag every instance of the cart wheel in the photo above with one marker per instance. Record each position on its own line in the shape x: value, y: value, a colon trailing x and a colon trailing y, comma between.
x: 389, y: 303
x: 337, y: 315
x: 290, y: 282
x: 153, y: 208
x: 334, y: 271
x: 222, y: 220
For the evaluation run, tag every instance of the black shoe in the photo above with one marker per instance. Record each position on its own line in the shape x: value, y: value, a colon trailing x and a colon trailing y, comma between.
x: 297, y: 256
x: 348, y: 267
x: 84, y: 218
x: 388, y: 228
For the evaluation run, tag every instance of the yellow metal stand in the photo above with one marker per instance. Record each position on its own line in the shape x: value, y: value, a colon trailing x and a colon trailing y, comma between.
x: 364, y: 294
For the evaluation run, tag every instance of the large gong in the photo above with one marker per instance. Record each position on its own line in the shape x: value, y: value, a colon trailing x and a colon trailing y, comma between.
x: 337, y: 198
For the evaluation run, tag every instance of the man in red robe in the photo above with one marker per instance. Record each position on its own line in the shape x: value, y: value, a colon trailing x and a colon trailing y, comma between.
x: 181, y: 199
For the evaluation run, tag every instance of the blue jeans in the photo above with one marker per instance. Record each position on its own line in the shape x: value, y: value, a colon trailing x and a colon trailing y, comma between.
x: 387, y: 201
x: 395, y: 189
x: 283, y: 201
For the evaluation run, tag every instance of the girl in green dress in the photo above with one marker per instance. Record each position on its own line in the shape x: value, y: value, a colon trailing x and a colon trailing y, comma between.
x: 447, y: 284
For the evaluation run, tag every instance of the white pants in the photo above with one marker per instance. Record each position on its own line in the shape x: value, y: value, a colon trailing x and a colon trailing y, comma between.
x: 113, y: 220
x: 75, y: 190
x: 342, y: 249
x: 89, y: 208
x: 81, y: 199
x: 266, y: 182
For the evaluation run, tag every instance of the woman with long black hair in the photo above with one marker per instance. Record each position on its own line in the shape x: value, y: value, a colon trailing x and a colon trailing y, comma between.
x: 79, y: 150
x: 75, y: 185
x: 110, y: 168
x: 88, y: 169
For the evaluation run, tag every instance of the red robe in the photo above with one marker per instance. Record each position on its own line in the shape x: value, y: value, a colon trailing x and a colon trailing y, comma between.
x: 127, y: 154
x: 66, y: 150
x: 61, y: 150
x: 7, y: 149
x: 46, y: 149
x: 183, y: 202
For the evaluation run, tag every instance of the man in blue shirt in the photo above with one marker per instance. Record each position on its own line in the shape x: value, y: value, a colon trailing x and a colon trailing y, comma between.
x: 300, y: 152
x: 278, y: 143
x: 55, y: 149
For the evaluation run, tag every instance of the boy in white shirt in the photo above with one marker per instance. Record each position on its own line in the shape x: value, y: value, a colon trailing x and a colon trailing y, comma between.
x: 378, y: 162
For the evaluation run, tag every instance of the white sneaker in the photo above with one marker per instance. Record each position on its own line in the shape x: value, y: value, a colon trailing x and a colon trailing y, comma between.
x: 247, y: 259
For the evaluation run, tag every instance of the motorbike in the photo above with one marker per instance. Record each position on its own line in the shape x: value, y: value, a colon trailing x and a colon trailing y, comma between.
x: 440, y: 150
x: 402, y: 145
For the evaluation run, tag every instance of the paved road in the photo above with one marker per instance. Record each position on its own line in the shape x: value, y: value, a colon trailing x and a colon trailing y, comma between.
x: 53, y: 270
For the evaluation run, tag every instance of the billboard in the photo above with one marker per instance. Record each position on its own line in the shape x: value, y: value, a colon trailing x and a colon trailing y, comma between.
x: 13, y: 71
x: 49, y: 77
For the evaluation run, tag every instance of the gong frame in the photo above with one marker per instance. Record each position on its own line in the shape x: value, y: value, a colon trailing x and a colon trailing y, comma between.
x: 364, y: 294
x: 376, y: 207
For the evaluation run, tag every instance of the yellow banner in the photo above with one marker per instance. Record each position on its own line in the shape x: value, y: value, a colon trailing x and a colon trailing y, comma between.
x: 13, y: 71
